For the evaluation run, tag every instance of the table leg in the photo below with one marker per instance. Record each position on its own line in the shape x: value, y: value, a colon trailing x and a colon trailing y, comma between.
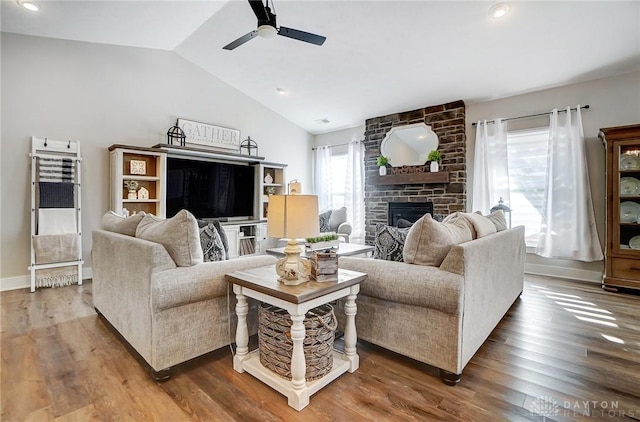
x: 350, y: 335
x: 242, y: 333
x: 299, y: 397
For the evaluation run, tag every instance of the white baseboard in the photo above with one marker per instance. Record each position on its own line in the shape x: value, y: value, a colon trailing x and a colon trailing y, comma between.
x: 562, y: 272
x: 24, y: 281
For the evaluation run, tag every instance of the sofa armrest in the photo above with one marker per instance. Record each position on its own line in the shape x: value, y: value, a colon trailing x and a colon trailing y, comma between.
x: 417, y: 285
x: 493, y: 270
x: 184, y: 285
x: 122, y: 266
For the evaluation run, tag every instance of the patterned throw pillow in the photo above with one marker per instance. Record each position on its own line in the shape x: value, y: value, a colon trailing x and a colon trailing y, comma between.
x: 223, y: 235
x: 324, y: 221
x: 212, y: 245
x: 389, y: 242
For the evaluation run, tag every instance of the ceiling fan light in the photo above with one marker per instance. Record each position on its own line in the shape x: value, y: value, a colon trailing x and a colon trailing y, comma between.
x: 267, y: 31
x: 29, y: 5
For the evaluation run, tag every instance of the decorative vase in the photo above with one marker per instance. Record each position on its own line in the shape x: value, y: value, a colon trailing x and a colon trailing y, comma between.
x: 383, y: 171
x: 132, y: 195
x: 434, y: 166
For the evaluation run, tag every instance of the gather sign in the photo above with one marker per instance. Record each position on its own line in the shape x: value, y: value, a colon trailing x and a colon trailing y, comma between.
x: 209, y: 135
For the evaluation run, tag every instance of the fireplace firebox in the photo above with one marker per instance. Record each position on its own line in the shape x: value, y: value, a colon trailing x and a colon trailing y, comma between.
x: 409, y: 211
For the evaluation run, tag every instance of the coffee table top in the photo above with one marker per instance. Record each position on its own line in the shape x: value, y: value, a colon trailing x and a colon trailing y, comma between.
x: 265, y: 280
x: 344, y: 249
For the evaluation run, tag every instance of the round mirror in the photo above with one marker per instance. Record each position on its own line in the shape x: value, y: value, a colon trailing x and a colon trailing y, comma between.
x: 409, y: 145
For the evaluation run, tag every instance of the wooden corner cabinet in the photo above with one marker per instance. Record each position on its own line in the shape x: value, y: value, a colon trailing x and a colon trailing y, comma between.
x: 144, y: 167
x: 622, y: 244
x: 270, y: 180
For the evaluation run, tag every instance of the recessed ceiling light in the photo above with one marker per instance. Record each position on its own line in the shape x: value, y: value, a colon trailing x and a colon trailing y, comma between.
x: 499, y: 10
x: 29, y: 5
x: 281, y: 91
x: 322, y: 121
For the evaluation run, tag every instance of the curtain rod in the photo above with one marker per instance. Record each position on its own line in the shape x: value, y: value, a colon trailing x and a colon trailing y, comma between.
x: 333, y: 146
x: 532, y: 115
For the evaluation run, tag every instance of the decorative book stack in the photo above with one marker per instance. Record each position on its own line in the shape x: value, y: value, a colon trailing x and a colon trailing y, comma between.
x: 324, y: 266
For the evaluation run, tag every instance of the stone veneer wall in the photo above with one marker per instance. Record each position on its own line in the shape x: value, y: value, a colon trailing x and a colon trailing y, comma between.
x: 448, y: 122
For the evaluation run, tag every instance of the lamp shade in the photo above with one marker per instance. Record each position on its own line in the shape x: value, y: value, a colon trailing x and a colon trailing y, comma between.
x: 293, y: 216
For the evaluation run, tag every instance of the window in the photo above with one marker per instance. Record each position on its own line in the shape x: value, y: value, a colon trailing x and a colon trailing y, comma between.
x: 338, y: 179
x: 527, y: 157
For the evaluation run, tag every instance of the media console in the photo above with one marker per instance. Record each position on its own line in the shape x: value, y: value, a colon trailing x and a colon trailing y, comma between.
x: 229, y: 186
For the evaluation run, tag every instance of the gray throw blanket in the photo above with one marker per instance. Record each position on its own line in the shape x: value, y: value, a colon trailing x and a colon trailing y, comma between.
x: 52, y: 249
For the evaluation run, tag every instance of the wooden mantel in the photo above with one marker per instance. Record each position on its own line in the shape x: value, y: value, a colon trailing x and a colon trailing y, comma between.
x: 411, y: 178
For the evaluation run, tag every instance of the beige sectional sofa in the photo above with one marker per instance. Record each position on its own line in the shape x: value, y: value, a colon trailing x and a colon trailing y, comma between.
x: 167, y: 313
x: 440, y: 314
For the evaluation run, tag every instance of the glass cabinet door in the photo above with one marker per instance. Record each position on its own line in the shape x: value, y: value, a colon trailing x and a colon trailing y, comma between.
x: 627, y: 172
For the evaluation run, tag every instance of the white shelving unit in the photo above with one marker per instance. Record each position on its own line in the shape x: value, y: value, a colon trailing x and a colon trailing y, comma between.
x: 153, y: 179
x: 277, y: 186
x: 49, y: 149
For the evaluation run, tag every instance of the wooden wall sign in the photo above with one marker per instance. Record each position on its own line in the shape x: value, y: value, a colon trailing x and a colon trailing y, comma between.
x: 209, y: 135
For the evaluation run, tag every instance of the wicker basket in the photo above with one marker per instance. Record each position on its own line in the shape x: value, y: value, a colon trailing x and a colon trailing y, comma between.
x: 276, y: 347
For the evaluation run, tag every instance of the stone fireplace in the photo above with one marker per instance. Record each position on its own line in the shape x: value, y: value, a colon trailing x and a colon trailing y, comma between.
x: 446, y: 191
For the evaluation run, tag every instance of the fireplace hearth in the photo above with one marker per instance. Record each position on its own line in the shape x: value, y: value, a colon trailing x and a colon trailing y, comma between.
x: 408, y: 211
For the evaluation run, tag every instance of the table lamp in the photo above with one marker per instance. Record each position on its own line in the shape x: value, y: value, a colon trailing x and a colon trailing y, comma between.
x: 293, y: 217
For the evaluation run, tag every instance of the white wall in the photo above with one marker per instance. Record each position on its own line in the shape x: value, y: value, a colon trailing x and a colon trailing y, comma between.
x: 342, y: 136
x: 102, y: 95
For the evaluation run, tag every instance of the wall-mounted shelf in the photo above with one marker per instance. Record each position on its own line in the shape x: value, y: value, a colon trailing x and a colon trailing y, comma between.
x: 411, y: 178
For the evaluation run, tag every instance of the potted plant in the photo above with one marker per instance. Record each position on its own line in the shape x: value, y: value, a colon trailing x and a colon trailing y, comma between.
x: 434, y: 158
x: 131, y: 185
x: 382, y: 162
x: 325, y: 241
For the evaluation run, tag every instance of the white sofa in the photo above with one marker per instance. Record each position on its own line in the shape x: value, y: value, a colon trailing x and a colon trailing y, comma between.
x: 441, y: 314
x: 167, y: 313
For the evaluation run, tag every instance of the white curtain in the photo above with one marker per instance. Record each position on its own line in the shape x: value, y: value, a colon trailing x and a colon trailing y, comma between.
x: 490, y: 166
x: 354, y: 191
x: 568, y: 224
x: 322, y: 178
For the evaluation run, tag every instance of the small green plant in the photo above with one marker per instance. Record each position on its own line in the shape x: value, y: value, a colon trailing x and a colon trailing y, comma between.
x: 323, y: 238
x: 382, y: 161
x: 435, y: 156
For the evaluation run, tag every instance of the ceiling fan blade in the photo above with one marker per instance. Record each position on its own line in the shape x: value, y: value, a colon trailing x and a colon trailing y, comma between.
x: 301, y: 35
x: 259, y: 10
x: 243, y: 39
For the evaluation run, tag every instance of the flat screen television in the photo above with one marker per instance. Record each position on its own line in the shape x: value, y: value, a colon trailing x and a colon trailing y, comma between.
x: 209, y: 189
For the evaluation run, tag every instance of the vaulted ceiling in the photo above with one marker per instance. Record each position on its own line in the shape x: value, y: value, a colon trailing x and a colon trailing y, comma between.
x: 380, y: 57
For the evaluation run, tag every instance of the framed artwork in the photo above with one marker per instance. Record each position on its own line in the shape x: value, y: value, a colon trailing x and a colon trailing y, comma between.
x: 138, y: 167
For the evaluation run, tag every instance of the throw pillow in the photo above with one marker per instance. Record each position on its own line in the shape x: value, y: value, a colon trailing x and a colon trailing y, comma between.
x: 482, y: 225
x: 211, y: 242
x: 461, y: 218
x: 124, y: 225
x: 388, y: 242
x: 324, y: 221
x: 179, y: 235
x: 221, y: 233
x: 337, y: 217
x: 429, y: 241
x: 498, y: 219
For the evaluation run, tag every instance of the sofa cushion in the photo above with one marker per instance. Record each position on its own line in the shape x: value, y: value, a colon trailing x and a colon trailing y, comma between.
x: 324, y: 221
x: 119, y: 224
x: 429, y: 241
x: 211, y: 243
x: 337, y: 217
x: 179, y: 235
x: 498, y: 219
x: 389, y: 242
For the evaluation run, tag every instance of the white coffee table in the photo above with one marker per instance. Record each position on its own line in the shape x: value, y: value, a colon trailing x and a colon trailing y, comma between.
x: 262, y: 284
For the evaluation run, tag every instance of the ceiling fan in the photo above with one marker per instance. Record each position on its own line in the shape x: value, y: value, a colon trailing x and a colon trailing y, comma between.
x: 267, y: 27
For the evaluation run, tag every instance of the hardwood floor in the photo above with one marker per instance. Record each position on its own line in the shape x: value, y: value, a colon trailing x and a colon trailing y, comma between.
x: 565, y: 351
